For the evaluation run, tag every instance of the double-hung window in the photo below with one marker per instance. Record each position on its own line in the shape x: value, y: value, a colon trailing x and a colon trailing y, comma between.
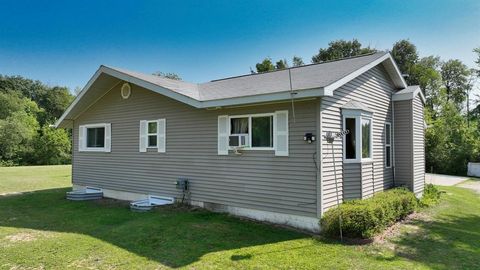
x: 251, y: 131
x: 357, y: 143
x: 152, y: 135
x: 388, y: 145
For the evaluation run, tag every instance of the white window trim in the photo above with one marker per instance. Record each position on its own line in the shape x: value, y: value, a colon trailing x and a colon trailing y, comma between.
x: 152, y: 134
x: 388, y: 145
x: 249, y: 116
x: 85, y: 138
x: 358, y: 115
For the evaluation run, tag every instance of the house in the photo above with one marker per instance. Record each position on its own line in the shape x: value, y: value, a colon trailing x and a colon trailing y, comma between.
x: 252, y: 145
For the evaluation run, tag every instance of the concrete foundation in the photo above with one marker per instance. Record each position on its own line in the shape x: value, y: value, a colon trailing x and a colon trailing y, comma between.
x: 300, y: 222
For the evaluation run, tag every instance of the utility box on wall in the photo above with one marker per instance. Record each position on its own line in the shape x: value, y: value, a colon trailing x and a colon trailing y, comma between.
x: 409, y: 139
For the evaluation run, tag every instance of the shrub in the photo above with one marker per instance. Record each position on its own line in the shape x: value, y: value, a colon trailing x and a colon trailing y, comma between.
x: 431, y: 196
x: 365, y: 218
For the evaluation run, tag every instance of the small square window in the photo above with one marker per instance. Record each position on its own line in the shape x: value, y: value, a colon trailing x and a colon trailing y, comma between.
x: 96, y: 137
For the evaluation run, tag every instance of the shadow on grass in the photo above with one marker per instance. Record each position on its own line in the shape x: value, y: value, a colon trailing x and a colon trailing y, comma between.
x: 449, y: 241
x: 174, y: 237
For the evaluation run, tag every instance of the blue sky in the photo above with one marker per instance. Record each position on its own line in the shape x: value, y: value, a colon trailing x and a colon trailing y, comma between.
x: 64, y: 42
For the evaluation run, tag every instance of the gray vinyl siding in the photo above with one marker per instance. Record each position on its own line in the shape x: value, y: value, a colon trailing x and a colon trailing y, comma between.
x: 403, y: 143
x: 418, y: 146
x: 374, y: 89
x: 353, y: 184
x: 256, y: 180
x: 368, y: 183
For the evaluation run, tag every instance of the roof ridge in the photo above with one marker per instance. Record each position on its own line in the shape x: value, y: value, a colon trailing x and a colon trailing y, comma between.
x: 306, y: 65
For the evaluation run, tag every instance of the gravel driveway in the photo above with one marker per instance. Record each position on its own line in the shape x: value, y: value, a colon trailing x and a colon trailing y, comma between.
x: 444, y: 180
x: 474, y: 184
x: 451, y: 180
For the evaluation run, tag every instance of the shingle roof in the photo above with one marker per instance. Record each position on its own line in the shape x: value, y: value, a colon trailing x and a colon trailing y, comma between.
x: 408, y: 93
x: 303, y: 77
x: 356, y: 105
x: 308, y: 81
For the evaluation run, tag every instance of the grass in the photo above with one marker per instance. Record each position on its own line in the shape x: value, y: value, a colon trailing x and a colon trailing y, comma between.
x: 21, y: 179
x: 41, y: 229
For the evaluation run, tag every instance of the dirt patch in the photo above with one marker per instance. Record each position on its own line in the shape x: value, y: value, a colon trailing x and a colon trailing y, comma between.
x: 396, y: 229
x: 25, y: 236
x: 21, y: 237
x: 19, y: 267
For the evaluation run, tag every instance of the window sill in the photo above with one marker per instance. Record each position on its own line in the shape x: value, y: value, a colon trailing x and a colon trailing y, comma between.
x: 93, y: 150
x: 253, y: 149
x: 364, y: 160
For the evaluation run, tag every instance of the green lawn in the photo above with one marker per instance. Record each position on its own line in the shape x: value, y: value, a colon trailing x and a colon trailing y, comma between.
x: 20, y: 179
x: 41, y: 230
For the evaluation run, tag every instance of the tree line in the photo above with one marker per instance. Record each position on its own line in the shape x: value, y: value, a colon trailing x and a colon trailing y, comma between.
x: 27, y: 108
x: 452, y: 138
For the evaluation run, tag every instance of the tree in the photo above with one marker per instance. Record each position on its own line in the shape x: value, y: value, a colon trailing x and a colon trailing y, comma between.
x: 265, y: 65
x: 297, y: 61
x: 54, y: 101
x: 450, y: 142
x: 455, y: 76
x: 341, y: 49
x: 12, y: 102
x: 477, y: 51
x: 52, y: 146
x: 426, y: 74
x: 281, y: 64
x: 16, y: 136
x: 405, y: 54
x: 168, y: 75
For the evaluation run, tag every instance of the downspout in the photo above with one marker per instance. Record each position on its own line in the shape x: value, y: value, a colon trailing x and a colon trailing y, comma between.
x: 318, y: 159
x: 73, y: 149
x: 393, y: 139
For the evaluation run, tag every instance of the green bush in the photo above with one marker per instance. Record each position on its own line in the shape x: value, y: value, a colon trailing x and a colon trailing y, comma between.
x: 431, y: 196
x: 365, y: 218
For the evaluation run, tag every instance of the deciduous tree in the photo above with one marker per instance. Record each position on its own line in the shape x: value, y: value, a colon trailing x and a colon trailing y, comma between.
x: 341, y: 49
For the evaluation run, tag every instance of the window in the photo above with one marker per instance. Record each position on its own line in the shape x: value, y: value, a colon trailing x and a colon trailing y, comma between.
x: 96, y: 137
x: 357, y: 144
x: 350, y: 148
x: 366, y: 139
x: 152, y: 133
x: 388, y: 145
x: 262, y: 131
x: 252, y: 131
x: 239, y: 132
